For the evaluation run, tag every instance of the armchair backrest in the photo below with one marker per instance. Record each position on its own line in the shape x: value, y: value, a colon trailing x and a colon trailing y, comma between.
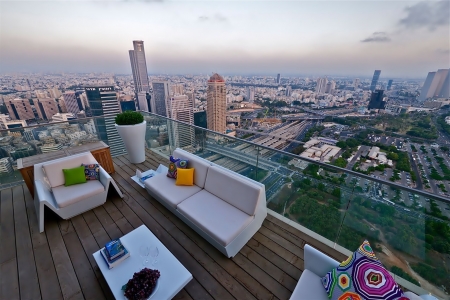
x: 53, y: 169
x: 199, y: 164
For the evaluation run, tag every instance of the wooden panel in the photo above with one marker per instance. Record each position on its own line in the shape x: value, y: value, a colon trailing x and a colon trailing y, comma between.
x: 9, y: 284
x: 28, y: 280
x: 103, y: 156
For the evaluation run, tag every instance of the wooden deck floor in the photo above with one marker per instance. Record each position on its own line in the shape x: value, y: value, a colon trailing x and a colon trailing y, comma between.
x: 58, y: 264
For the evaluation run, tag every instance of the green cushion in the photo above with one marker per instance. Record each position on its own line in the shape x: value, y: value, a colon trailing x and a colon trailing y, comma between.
x: 74, y: 176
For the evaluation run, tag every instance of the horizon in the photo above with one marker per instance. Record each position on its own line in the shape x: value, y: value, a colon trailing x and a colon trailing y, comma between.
x: 233, y: 38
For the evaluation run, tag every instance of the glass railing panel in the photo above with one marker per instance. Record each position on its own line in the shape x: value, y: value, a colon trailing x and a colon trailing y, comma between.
x: 409, y: 233
x: 157, y: 135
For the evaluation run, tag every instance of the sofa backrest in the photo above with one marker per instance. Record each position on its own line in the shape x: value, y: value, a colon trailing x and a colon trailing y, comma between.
x: 242, y: 194
x: 53, y: 169
x: 199, y: 164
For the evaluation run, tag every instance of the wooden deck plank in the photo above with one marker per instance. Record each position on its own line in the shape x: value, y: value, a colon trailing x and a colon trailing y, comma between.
x: 28, y: 280
x: 48, y: 280
x: 8, y: 261
x: 99, y: 233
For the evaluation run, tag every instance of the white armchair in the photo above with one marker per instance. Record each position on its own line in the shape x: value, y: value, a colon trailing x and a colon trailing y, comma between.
x: 68, y: 201
x: 317, y: 265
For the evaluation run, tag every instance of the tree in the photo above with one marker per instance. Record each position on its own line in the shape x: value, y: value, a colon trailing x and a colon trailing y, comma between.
x: 340, y: 162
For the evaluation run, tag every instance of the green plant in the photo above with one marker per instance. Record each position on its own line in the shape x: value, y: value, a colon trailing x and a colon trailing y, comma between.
x: 129, y: 118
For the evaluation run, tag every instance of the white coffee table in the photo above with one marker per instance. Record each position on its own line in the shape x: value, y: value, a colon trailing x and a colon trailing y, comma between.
x: 174, y: 276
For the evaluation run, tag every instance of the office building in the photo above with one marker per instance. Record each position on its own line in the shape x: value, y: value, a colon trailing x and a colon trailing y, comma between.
x: 20, y: 109
x: 46, y: 148
x: 389, y: 86
x: 103, y: 102
x: 161, y: 92
x: 6, y: 165
x: 200, y: 119
x: 437, y: 84
x: 30, y: 134
x: 144, y: 101
x: 46, y: 108
x: 321, y: 85
x: 63, y: 117
x: 331, y: 86
x: 377, y: 100
x: 180, y: 108
x: 288, y: 91
x: 139, y: 67
x: 356, y: 83
x: 127, y: 105
x: 73, y: 102
x: 250, y: 94
x: 216, y: 104
x: 278, y: 78
x: 376, y: 76
x: 54, y: 93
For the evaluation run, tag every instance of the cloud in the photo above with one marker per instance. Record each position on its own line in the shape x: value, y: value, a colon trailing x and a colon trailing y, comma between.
x: 377, y: 37
x: 215, y: 18
x: 430, y: 15
x: 443, y: 51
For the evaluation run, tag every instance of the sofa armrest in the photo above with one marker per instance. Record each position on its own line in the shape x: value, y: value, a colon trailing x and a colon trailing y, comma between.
x: 43, y: 192
x: 318, y: 262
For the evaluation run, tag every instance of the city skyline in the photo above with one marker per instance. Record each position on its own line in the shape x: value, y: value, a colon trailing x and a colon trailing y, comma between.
x: 291, y: 38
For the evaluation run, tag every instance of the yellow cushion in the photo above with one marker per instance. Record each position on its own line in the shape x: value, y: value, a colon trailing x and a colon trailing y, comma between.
x: 185, y: 177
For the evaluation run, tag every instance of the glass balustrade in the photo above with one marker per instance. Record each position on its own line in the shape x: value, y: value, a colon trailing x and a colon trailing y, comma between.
x: 408, y: 228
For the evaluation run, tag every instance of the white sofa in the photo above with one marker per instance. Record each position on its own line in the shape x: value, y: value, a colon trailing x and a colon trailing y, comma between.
x: 224, y: 207
x: 317, y: 265
x: 68, y: 201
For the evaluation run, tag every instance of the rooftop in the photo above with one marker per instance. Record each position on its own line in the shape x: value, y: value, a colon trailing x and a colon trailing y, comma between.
x: 58, y: 264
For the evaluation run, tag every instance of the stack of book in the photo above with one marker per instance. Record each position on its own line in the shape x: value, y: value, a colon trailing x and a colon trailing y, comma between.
x: 114, y: 253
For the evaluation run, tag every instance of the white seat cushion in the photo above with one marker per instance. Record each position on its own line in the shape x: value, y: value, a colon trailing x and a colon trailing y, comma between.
x: 217, y: 218
x: 241, y: 193
x: 67, y: 195
x: 165, y: 189
x: 199, y: 164
x: 309, y: 287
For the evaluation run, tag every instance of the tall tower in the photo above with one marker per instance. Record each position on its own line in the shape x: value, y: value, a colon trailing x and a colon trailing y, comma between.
x: 181, y: 108
x: 103, y: 102
x: 376, y: 76
x: 216, y: 104
x: 161, y: 93
x: 321, y: 85
x: 139, y: 68
x: 278, y: 78
x: 389, y: 84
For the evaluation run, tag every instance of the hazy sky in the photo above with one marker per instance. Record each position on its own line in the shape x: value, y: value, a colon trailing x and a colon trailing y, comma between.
x: 402, y: 38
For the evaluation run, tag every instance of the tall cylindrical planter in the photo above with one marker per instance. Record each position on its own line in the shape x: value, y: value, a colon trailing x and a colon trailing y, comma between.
x: 133, y: 137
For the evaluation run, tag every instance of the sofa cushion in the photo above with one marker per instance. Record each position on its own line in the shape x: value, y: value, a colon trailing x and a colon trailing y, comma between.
x: 185, y: 177
x: 175, y: 164
x: 53, y: 169
x: 361, y: 274
x: 164, y: 189
x: 74, y: 176
x: 309, y: 287
x: 199, y: 164
x: 220, y: 220
x: 92, y: 171
x: 67, y: 195
x: 239, y: 192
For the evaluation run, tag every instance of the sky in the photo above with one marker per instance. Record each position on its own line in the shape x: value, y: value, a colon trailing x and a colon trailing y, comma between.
x: 404, y: 39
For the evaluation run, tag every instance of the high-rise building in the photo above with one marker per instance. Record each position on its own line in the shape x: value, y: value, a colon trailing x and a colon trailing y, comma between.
x: 6, y: 165
x: 288, y: 91
x: 127, y: 105
x: 250, y: 94
x: 331, y: 86
x: 144, y: 101
x: 139, y: 67
x: 356, y: 83
x: 103, y: 102
x: 73, y: 103
x: 389, y: 84
x: 180, y: 108
x: 376, y: 76
x: 437, y: 84
x: 161, y: 92
x: 377, y: 100
x: 20, y: 109
x: 216, y: 104
x: 54, y: 93
x: 321, y: 85
x: 46, y: 108
x: 278, y: 78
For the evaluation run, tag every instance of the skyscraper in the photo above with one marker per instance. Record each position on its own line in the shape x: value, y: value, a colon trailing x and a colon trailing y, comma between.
x: 321, y: 85
x: 103, y: 102
x: 19, y: 109
x: 250, y: 94
x: 73, y: 103
x: 356, y: 83
x: 139, y: 68
x: 216, y: 103
x: 161, y: 92
x: 376, y: 100
x: 144, y: 101
x: 376, y: 76
x: 389, y: 84
x: 278, y: 78
x: 181, y: 108
x: 288, y: 91
x: 437, y: 84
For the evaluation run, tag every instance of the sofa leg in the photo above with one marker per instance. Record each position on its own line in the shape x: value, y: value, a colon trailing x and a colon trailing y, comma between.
x: 41, y: 218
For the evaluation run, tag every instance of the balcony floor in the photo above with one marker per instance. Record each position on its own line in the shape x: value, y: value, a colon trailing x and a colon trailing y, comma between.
x: 58, y: 264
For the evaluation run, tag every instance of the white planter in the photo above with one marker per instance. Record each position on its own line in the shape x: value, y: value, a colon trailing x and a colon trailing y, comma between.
x: 133, y: 137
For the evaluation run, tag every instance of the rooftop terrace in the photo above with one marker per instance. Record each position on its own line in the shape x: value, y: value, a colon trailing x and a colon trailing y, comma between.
x: 58, y: 264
